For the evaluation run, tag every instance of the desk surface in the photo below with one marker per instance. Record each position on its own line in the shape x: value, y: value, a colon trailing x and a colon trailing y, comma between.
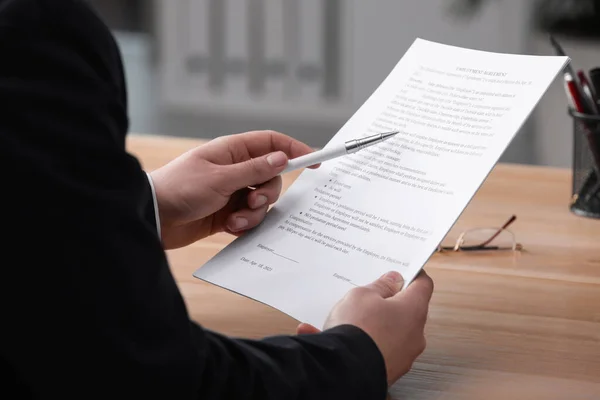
x: 500, y: 327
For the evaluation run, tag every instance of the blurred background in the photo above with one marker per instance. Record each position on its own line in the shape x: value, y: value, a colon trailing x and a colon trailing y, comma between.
x: 204, y: 68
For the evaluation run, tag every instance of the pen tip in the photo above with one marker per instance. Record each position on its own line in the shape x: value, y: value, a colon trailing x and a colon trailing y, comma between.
x: 389, y: 134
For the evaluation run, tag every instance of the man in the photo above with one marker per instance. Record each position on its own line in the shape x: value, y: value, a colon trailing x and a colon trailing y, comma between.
x: 89, y: 307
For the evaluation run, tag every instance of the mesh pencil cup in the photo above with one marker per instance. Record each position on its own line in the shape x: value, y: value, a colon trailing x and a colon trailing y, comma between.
x: 585, y: 190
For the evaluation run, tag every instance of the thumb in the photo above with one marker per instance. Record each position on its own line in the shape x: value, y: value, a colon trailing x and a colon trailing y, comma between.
x: 306, y: 329
x: 388, y: 285
x: 253, y: 171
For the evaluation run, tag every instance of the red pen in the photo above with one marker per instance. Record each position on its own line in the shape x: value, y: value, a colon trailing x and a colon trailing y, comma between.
x: 573, y: 94
x: 576, y: 104
x: 588, y: 92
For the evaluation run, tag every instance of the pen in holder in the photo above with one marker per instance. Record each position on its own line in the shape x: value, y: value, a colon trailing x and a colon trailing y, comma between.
x: 585, y: 190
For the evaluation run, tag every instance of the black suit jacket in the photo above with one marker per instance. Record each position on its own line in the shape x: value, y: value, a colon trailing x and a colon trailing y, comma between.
x: 89, y: 308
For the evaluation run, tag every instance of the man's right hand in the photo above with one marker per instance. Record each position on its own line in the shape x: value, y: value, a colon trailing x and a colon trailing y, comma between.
x: 394, y: 319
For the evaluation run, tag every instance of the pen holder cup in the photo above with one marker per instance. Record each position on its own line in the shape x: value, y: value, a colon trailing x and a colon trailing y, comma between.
x: 585, y: 191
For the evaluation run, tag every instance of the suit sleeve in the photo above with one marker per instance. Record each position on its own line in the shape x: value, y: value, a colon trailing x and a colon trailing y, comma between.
x: 91, y: 309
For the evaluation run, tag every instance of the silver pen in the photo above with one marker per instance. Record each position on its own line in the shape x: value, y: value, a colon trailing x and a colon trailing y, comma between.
x: 349, y: 147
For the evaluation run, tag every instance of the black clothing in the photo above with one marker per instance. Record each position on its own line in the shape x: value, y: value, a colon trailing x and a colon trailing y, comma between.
x: 88, y: 305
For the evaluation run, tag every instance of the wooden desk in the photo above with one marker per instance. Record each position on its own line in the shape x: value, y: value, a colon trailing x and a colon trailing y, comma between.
x: 500, y: 327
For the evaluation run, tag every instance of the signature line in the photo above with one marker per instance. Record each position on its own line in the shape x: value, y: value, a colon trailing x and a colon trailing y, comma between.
x: 287, y: 258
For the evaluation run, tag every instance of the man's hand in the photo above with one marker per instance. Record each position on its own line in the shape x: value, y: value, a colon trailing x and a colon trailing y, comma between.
x: 394, y: 319
x: 206, y: 190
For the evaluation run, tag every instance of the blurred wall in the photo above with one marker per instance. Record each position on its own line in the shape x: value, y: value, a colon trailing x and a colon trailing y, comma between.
x: 378, y: 34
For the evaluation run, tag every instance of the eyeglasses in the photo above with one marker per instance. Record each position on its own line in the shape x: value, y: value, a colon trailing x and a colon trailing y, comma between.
x: 484, y: 239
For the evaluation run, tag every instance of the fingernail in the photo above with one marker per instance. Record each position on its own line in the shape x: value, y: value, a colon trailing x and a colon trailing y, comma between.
x: 393, y: 276
x: 277, y: 159
x: 238, y: 223
x: 260, y: 200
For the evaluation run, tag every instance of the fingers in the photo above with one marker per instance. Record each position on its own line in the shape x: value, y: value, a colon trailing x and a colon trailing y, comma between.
x: 252, y: 158
x: 252, y: 172
x: 421, y: 288
x: 259, y: 143
x: 267, y: 193
x: 258, y: 201
x: 306, y: 329
x: 418, y: 293
x: 388, y: 285
x: 246, y: 219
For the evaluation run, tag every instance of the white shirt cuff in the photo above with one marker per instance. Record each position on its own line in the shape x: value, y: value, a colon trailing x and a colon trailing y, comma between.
x: 155, y: 202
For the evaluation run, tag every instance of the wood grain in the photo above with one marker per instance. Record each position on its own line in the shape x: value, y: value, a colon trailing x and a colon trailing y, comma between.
x: 500, y: 326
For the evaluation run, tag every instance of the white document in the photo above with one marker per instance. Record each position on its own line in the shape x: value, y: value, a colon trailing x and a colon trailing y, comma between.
x: 388, y: 207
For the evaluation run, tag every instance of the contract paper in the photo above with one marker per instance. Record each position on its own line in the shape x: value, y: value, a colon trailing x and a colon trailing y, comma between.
x: 388, y: 207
